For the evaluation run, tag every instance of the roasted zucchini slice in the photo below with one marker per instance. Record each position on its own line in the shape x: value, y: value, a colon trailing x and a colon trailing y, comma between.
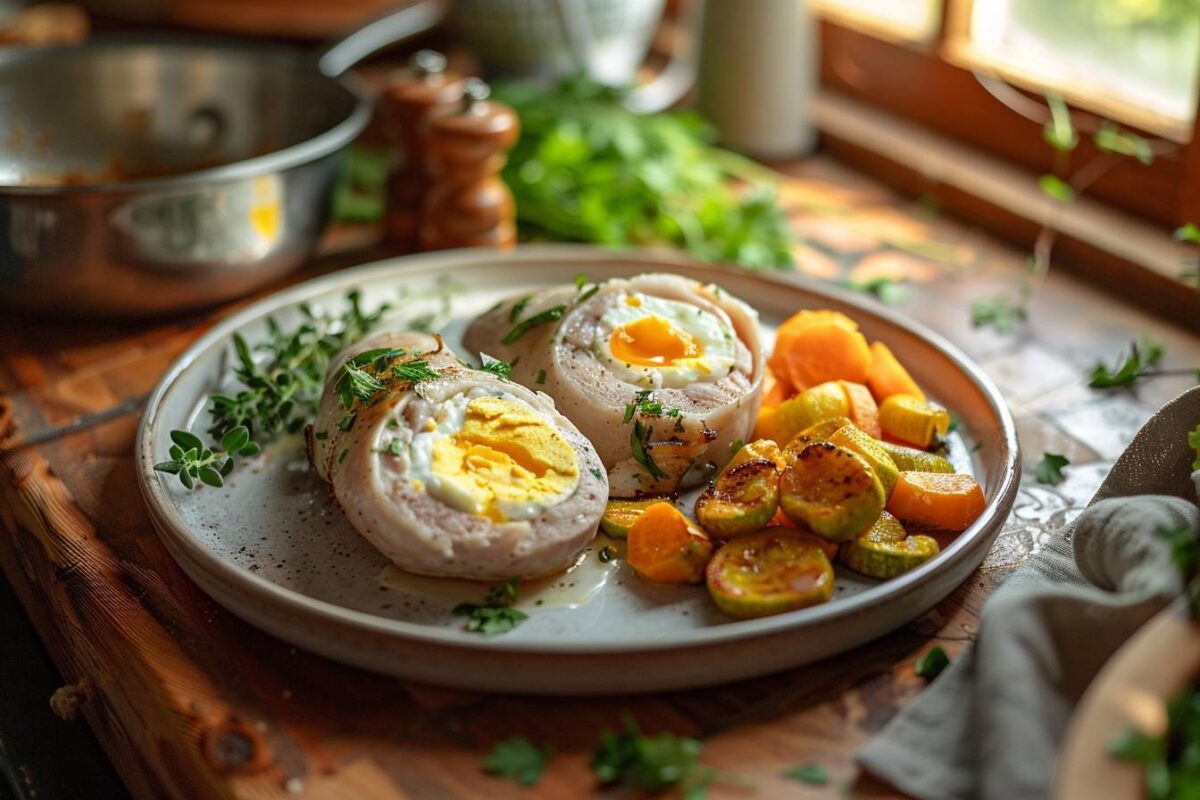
x: 910, y: 459
x: 886, y: 550
x: 769, y: 572
x: 620, y: 514
x: 741, y: 500
x: 832, y: 490
x: 851, y: 437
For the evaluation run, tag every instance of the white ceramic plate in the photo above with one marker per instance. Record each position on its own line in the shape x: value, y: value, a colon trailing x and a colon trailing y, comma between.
x: 273, y: 549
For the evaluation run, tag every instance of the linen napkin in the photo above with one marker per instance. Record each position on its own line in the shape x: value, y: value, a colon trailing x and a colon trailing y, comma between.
x: 989, y: 727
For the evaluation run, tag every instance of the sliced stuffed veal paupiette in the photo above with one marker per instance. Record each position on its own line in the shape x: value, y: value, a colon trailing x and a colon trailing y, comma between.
x: 452, y: 471
x: 662, y: 373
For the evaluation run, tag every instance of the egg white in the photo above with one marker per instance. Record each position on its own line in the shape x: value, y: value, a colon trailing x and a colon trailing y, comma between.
x: 710, y: 331
x: 448, y: 418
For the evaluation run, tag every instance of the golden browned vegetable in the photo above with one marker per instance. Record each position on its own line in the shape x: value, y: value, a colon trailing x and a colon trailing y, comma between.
x: 810, y: 406
x: 907, y: 418
x: 620, y: 514
x: 849, y: 436
x: 741, y: 500
x: 769, y: 572
x: 759, y: 448
x: 832, y: 490
x: 886, y: 550
x: 910, y: 459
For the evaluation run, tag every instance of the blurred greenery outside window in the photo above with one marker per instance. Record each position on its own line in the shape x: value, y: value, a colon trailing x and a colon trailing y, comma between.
x: 1133, y: 61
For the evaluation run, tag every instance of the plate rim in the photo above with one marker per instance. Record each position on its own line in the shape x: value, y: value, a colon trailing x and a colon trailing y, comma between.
x: 175, y: 533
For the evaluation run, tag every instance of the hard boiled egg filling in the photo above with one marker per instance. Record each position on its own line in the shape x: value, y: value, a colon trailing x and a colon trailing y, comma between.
x: 493, y: 456
x: 653, y: 342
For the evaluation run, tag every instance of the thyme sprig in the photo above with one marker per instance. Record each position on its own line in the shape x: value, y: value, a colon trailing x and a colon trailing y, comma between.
x: 282, y: 379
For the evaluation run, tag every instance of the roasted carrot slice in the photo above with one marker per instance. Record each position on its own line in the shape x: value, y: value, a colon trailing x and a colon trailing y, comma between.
x: 937, y: 500
x: 773, y: 392
x: 887, y: 376
x: 786, y: 336
x: 665, y: 546
x: 827, y: 351
x: 864, y: 413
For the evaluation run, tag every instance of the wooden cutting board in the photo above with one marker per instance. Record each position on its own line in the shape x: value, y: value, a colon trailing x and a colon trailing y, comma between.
x: 189, y: 701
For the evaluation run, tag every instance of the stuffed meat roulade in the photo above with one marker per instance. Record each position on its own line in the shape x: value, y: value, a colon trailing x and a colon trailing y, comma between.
x: 662, y: 373
x: 451, y: 471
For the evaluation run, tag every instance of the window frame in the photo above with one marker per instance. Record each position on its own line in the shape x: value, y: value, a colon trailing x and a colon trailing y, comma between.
x: 919, y: 81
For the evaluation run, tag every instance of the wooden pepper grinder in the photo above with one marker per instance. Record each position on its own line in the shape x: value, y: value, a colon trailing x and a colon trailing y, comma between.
x: 468, y: 204
x: 413, y: 98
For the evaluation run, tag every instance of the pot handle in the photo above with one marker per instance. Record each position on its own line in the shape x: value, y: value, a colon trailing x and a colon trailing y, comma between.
x: 377, y: 34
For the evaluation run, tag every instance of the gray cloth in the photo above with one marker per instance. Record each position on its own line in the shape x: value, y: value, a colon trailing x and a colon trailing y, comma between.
x: 989, y: 726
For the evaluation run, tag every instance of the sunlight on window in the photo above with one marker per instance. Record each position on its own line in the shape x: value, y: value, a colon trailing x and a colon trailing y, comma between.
x: 907, y: 19
x: 1145, y: 53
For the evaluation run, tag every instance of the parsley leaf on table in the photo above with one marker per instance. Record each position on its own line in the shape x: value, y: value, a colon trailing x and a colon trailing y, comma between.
x: 812, y: 774
x: 1049, y: 469
x: 931, y: 664
x: 519, y: 759
x: 999, y: 313
x: 1140, y: 359
x: 637, y: 762
x: 888, y: 291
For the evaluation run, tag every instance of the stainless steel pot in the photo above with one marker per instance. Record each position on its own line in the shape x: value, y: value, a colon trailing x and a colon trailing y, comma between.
x: 140, y: 178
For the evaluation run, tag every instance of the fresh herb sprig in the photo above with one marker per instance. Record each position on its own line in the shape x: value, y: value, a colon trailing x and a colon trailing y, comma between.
x: 1000, y: 313
x: 587, y: 169
x: 495, y: 615
x: 889, y: 291
x: 496, y: 366
x: 636, y: 762
x: 280, y: 389
x: 1170, y: 761
x: 1140, y: 362
x: 931, y: 663
x: 552, y: 314
x: 192, y: 461
x: 639, y: 442
x: 518, y: 759
x: 1050, y: 469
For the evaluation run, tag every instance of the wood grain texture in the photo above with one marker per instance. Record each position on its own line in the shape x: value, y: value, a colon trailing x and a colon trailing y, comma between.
x: 189, y: 701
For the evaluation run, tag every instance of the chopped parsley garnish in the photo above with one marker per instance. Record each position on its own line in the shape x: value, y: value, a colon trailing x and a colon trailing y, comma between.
x: 355, y: 383
x: 644, y: 406
x: 497, y: 367
x: 552, y: 314
x: 541, y: 377
x: 735, y: 446
x: 395, y: 447
x: 519, y: 759
x: 1050, y: 468
x: 494, y: 615
x: 931, y: 664
x: 587, y: 293
x: 639, y: 441
x: 347, y: 421
x: 636, y: 762
x: 518, y: 307
x: 597, y: 474
x: 811, y: 774
x: 580, y: 280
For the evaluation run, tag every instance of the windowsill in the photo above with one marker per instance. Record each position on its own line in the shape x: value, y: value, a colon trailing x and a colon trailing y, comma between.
x: 1126, y: 254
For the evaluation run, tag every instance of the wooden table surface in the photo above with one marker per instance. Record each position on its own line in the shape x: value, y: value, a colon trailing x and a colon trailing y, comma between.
x: 188, y: 701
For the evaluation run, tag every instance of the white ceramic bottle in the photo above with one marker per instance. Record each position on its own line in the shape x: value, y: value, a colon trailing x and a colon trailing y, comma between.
x: 757, y: 74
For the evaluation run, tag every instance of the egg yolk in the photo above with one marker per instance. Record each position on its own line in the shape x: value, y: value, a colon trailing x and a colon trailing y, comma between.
x: 504, y: 460
x: 653, y: 342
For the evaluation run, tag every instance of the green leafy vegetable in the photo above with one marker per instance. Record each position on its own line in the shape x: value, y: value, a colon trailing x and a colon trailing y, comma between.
x: 1057, y: 188
x: 1059, y: 132
x: 999, y: 313
x: 280, y: 391
x: 1049, y: 469
x: 415, y: 372
x: 1188, y: 233
x: 932, y: 662
x: 496, y: 366
x: 360, y: 192
x: 519, y: 759
x: 636, y: 762
x: 639, y: 441
x: 888, y: 291
x: 494, y: 615
x: 1136, y: 364
x: 811, y: 774
x: 587, y: 169
x: 552, y: 314
x: 1170, y: 761
x: 1111, y: 139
